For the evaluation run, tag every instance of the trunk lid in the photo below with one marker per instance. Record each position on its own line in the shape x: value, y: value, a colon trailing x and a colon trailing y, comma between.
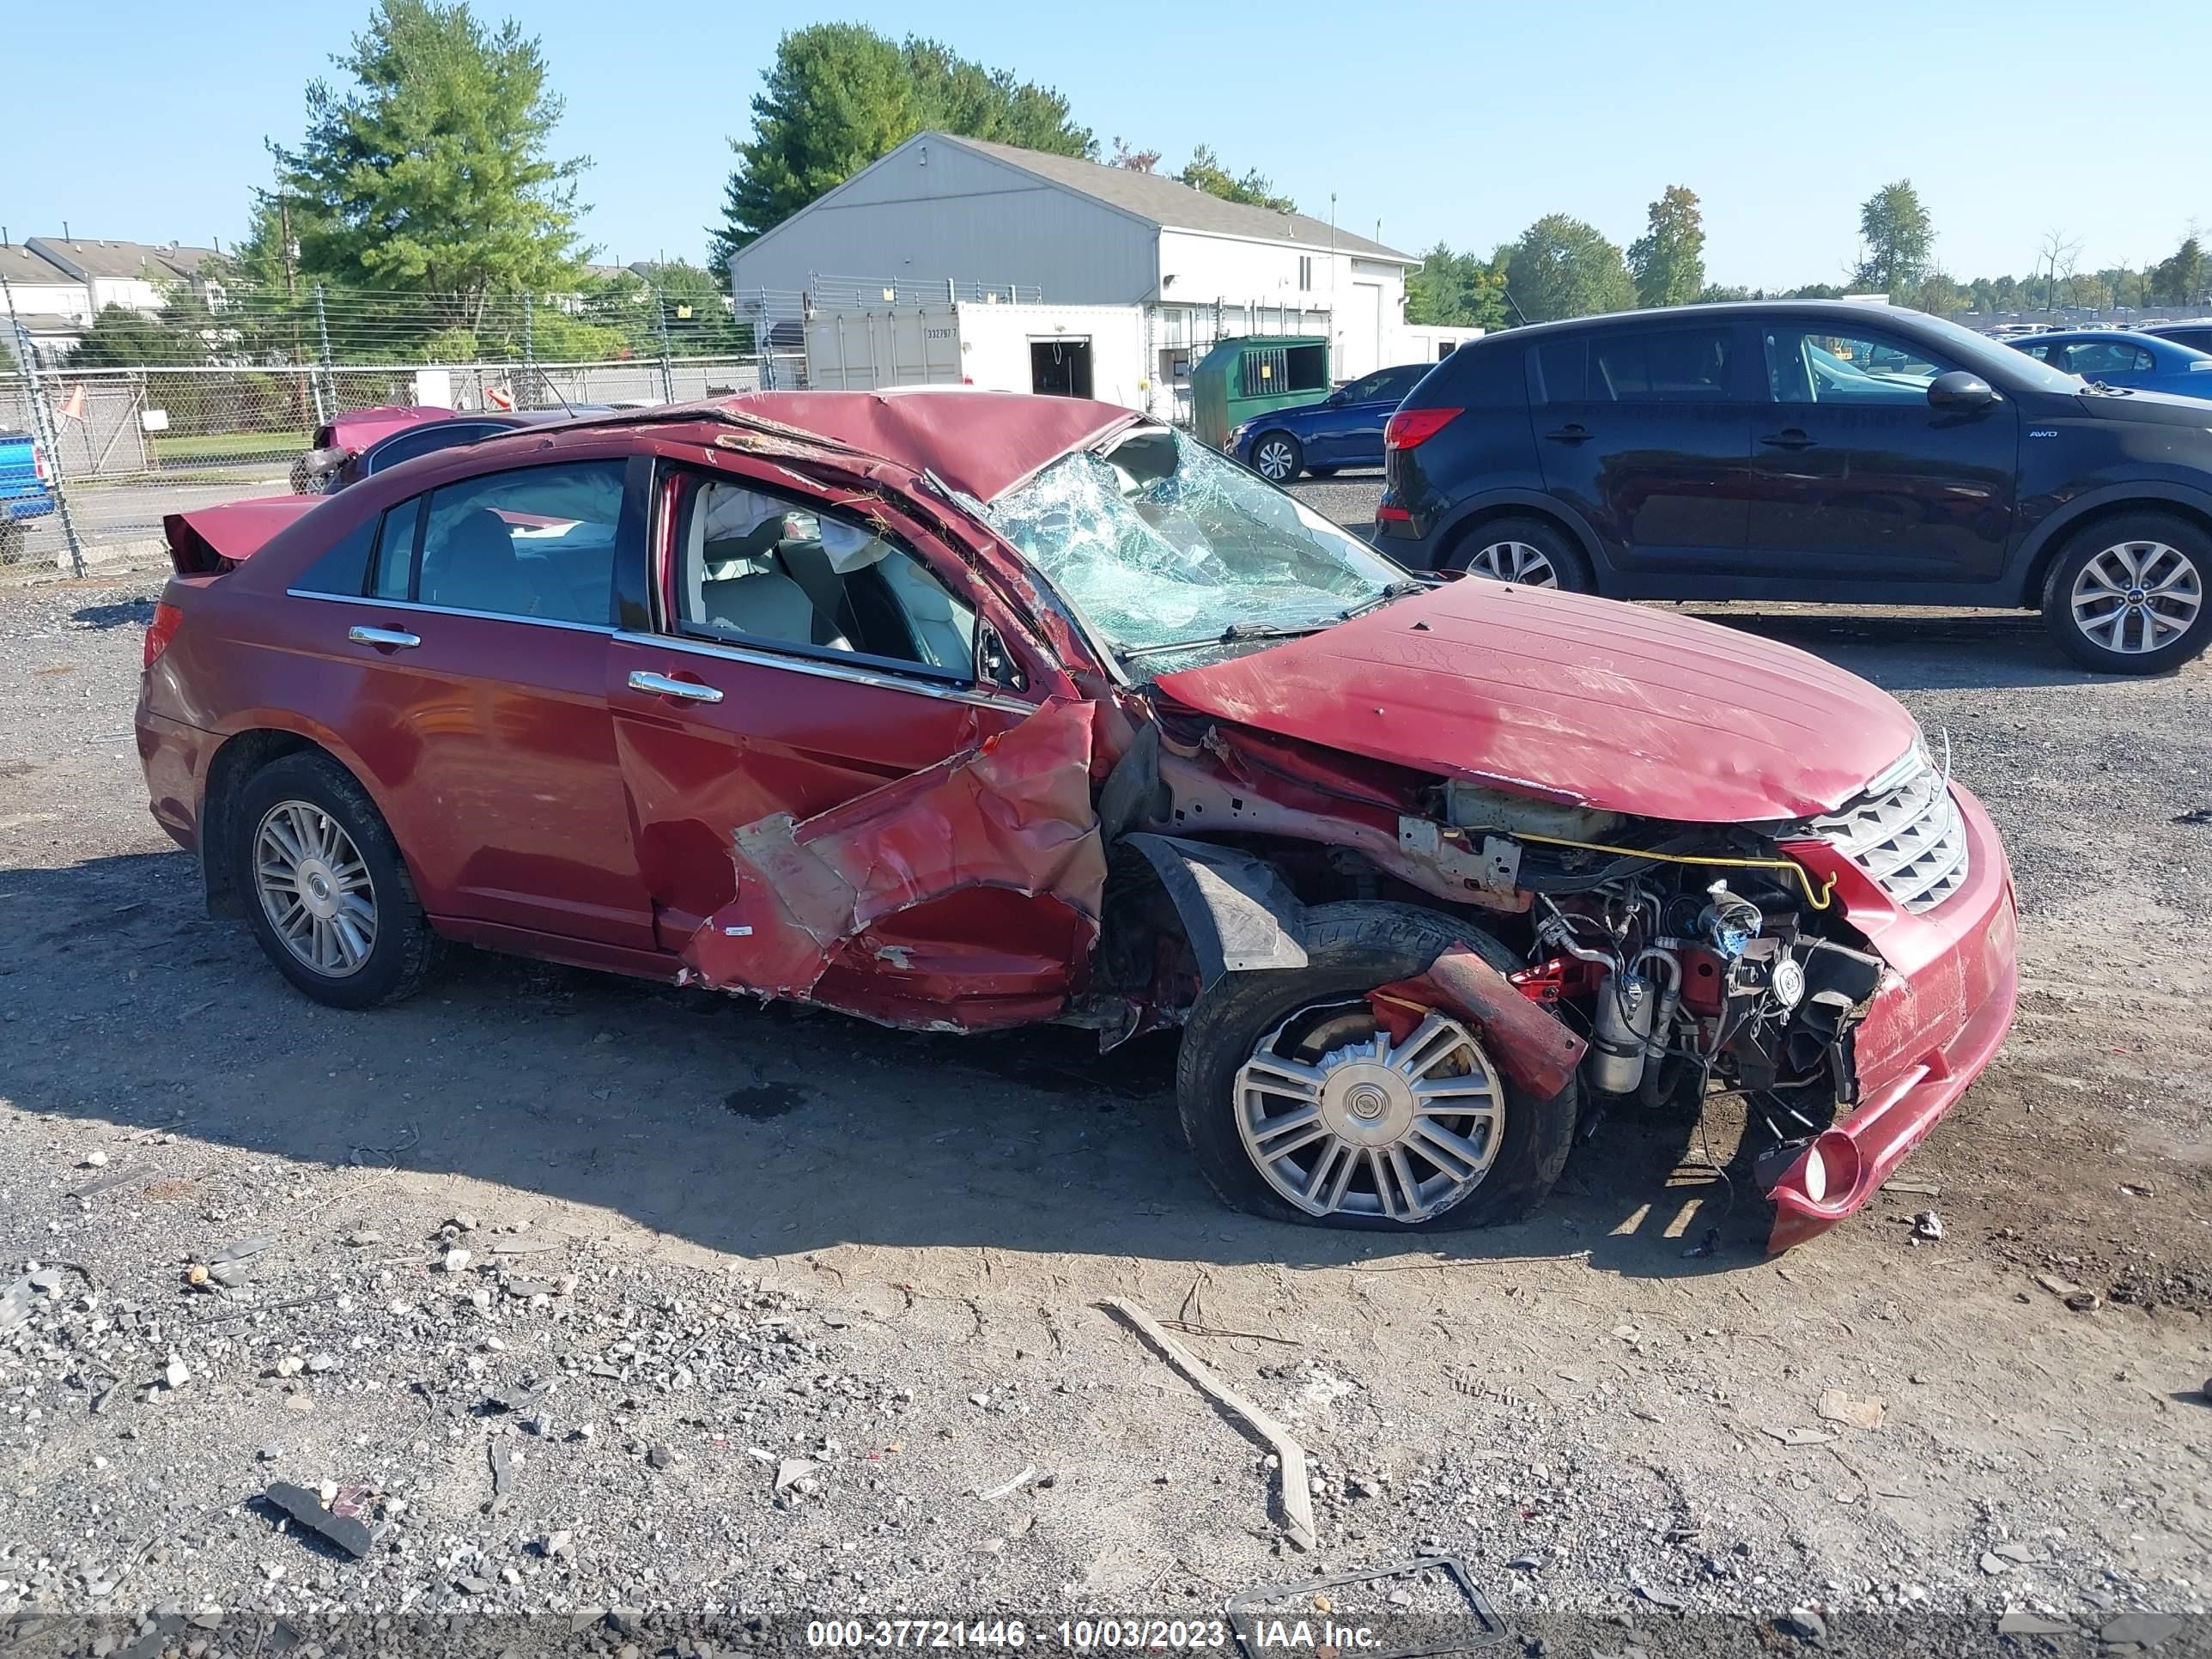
x: 209, y: 540
x: 1562, y: 696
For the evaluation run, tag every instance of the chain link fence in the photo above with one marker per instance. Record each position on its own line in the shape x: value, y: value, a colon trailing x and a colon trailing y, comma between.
x: 217, y: 396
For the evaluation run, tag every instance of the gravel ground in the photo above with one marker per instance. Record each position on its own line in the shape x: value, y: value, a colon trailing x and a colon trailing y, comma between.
x: 640, y: 1313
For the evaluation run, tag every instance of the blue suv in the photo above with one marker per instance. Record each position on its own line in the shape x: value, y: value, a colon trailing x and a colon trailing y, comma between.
x: 1343, y: 429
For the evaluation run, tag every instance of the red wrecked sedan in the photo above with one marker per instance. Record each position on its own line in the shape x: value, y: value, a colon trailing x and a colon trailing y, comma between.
x: 961, y: 710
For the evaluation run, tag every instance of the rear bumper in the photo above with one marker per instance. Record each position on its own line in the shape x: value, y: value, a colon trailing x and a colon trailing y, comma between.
x: 1939, y: 1017
x: 174, y: 756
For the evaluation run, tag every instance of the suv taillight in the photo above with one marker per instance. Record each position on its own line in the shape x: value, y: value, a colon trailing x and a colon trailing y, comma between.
x: 161, y: 631
x: 1409, y: 428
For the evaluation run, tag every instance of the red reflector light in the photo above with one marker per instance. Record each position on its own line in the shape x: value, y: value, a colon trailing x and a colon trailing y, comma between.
x: 39, y: 465
x: 1391, y: 513
x: 161, y: 631
x: 1409, y: 428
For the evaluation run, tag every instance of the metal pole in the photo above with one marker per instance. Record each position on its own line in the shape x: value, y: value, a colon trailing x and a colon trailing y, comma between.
x: 529, y: 340
x: 323, y: 334
x: 42, y: 426
x: 667, y: 377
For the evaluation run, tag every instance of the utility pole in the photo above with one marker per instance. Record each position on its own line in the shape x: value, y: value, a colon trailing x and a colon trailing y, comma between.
x: 327, y: 387
x: 667, y: 376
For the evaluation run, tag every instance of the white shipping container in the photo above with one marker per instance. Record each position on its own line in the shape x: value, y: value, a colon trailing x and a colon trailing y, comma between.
x: 1077, y: 351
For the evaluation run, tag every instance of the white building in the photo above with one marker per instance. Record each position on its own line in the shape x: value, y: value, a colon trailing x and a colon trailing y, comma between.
x: 942, y: 210
x: 137, y: 275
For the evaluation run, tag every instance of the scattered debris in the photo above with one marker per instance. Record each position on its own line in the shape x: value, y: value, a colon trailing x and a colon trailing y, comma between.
x: 1928, y: 1225
x: 1992, y: 1563
x: 1660, y: 1598
x: 176, y: 1373
x: 1709, y: 1245
x: 997, y: 1492
x: 348, y: 1532
x: 557, y: 1546
x: 239, y: 1251
x: 502, y: 1475
x: 1297, y: 1498
x: 2061, y: 1288
x: 660, y: 1455
x: 2144, y: 1630
x: 94, y: 1161
x: 455, y: 1261
x: 322, y: 1361
x: 1837, y: 1407
x: 1912, y: 1186
x: 1804, y: 1624
x: 2018, y: 1623
x: 527, y: 1245
x: 1794, y: 1436
x: 2085, y: 1301
x: 794, y: 1473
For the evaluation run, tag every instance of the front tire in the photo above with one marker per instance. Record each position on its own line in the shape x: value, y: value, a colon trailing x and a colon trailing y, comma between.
x: 1425, y: 1134
x: 1525, y: 552
x: 326, y: 892
x: 2127, y: 595
x: 1277, y: 457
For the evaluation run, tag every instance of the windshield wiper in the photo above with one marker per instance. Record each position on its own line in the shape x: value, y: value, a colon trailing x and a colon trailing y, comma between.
x: 1234, y: 634
x: 1405, y: 587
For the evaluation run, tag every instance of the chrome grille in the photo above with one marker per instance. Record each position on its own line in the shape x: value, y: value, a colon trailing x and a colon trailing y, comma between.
x: 1911, y: 839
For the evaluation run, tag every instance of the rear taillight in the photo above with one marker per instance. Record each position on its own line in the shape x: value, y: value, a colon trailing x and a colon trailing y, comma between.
x: 161, y: 631
x: 1409, y: 428
x: 39, y: 465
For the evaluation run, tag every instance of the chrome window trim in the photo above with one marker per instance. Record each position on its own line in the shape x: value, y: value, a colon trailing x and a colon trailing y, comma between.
x: 752, y: 657
x: 374, y: 603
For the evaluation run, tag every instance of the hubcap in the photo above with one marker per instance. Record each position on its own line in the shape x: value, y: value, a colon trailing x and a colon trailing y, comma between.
x: 314, y: 888
x: 1341, y: 1119
x: 1517, y: 562
x: 2136, y: 596
x: 1275, y: 460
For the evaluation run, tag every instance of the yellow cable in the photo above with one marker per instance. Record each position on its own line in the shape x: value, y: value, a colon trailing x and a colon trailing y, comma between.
x: 1818, y: 901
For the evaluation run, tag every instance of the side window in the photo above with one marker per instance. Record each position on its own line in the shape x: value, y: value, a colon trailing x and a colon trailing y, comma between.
x: 2040, y: 351
x: 751, y: 566
x: 1371, y: 388
x: 437, y: 434
x: 537, y: 542
x: 1819, y: 366
x: 2094, y: 357
x: 395, y: 550
x: 1669, y: 365
x: 1558, y: 370
x: 344, y: 569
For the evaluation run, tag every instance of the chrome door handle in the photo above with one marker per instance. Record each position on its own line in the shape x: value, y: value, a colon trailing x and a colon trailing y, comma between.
x: 392, y: 637
x: 660, y: 685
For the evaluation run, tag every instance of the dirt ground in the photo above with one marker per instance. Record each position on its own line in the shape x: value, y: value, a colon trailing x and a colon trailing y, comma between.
x: 764, y: 1310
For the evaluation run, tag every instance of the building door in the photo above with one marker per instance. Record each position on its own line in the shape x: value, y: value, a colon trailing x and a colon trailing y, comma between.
x: 1362, y: 332
x: 1061, y: 368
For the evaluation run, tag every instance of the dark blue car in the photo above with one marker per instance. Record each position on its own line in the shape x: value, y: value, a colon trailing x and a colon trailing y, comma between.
x: 2138, y: 361
x: 1343, y: 429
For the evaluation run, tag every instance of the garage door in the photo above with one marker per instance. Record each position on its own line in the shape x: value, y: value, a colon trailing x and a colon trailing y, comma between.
x: 1362, y: 332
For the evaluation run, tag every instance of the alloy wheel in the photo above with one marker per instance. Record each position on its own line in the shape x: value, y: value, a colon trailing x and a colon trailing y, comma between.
x: 2136, y: 596
x: 314, y: 888
x: 1342, y: 1119
x: 1518, y: 562
x: 1274, y: 462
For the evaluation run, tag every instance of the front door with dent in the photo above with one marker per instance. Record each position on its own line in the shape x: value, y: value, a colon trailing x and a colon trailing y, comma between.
x: 802, y: 659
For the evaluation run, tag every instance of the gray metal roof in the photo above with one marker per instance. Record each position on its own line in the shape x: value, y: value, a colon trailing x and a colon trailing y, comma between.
x: 1176, y: 206
x: 158, y: 262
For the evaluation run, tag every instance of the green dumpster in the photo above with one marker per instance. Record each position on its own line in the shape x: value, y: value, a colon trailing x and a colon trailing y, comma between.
x: 1250, y: 375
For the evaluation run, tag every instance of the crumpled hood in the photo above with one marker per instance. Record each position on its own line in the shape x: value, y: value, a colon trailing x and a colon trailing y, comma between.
x: 1566, y: 698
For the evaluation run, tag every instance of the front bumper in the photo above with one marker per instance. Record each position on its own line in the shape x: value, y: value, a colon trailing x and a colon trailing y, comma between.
x: 1939, y: 1017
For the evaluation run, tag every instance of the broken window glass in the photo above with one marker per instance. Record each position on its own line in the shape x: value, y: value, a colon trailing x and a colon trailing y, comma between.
x: 1161, y: 543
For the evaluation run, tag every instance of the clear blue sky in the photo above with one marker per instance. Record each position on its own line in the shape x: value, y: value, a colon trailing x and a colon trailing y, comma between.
x: 1459, y: 121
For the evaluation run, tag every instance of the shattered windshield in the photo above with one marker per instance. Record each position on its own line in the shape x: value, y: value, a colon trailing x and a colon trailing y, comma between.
x: 1168, y: 549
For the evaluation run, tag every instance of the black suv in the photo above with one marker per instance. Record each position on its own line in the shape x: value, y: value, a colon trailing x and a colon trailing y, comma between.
x: 1810, y: 450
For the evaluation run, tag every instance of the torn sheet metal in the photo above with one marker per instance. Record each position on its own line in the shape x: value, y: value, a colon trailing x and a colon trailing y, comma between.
x: 1012, y: 814
x: 1237, y: 912
x: 1533, y: 1048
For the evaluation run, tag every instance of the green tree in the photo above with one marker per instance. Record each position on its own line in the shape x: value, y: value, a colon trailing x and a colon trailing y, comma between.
x: 1462, y: 291
x: 431, y: 172
x: 1669, y: 260
x: 1203, y: 172
x: 1938, y: 296
x: 122, y: 337
x: 2183, y: 279
x: 1562, y: 267
x: 1896, y: 237
x: 685, y: 305
x: 839, y: 95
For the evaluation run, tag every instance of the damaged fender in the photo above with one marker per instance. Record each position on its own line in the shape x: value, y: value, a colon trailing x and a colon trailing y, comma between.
x: 1237, y: 912
x: 1014, y: 813
x: 1532, y: 1047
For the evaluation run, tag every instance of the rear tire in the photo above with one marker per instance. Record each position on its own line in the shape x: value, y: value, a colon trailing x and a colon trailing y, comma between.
x: 1277, y: 457
x: 1525, y: 552
x: 1352, y: 948
x: 324, y: 888
x: 2127, y: 595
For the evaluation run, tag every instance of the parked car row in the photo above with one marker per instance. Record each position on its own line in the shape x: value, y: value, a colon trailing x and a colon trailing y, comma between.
x: 961, y: 711
x: 1819, y: 451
